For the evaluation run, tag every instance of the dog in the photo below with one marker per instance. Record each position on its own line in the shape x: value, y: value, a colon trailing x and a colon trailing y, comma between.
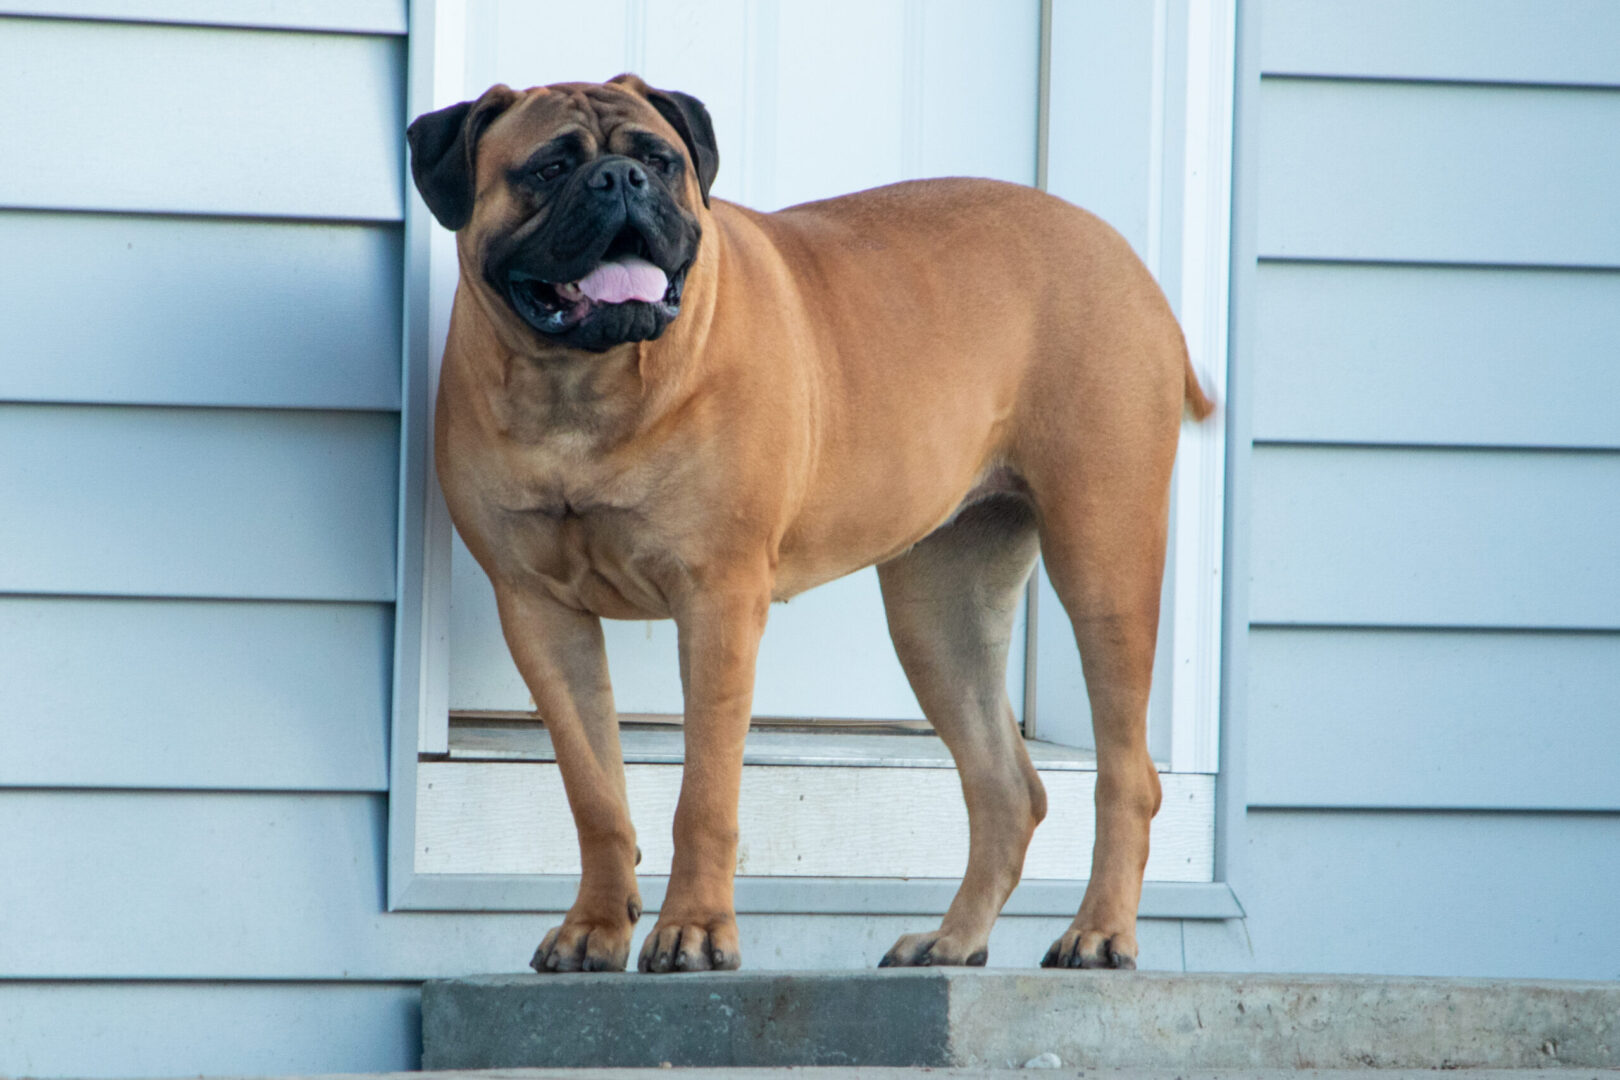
x: 655, y: 404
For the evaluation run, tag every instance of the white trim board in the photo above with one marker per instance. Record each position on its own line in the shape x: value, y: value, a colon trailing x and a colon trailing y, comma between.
x: 435, y: 61
x: 438, y: 64
x: 1197, y: 548
x: 795, y: 821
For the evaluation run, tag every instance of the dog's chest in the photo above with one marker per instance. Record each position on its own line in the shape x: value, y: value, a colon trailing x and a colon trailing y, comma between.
x: 588, y: 542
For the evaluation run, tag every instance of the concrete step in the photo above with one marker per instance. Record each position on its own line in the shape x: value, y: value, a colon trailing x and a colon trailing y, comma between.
x: 990, y: 1019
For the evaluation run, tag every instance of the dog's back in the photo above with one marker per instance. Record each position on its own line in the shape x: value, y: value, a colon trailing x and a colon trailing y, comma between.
x: 971, y: 271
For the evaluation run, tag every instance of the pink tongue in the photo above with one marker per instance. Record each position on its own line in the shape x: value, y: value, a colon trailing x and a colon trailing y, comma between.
x: 625, y: 278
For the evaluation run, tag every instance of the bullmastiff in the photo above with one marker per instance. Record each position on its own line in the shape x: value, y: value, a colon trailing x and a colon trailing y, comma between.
x: 656, y: 404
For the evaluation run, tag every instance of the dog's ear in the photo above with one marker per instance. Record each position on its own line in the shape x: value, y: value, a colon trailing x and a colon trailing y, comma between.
x: 687, y: 115
x: 443, y: 146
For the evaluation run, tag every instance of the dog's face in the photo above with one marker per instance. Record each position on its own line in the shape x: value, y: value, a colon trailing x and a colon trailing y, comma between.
x: 579, y: 205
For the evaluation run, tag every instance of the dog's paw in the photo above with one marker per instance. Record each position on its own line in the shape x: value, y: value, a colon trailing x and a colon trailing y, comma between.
x: 582, y: 945
x: 1092, y: 949
x: 680, y: 945
x: 935, y: 949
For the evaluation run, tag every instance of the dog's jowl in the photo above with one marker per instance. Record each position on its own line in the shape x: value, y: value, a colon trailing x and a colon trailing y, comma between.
x: 655, y: 404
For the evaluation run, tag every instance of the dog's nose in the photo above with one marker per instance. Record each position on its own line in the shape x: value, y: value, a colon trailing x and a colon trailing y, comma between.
x: 617, y: 174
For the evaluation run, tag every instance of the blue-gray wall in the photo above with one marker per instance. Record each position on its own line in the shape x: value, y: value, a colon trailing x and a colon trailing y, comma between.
x: 200, y: 251
x: 200, y: 325
x: 1422, y: 756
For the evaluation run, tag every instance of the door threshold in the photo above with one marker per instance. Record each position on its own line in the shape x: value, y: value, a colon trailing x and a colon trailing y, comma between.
x: 487, y: 740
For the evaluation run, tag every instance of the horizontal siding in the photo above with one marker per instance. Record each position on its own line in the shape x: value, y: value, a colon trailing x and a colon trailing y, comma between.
x: 214, y: 1029
x: 160, y: 310
x: 1393, y: 537
x: 1428, y: 355
x: 1491, y: 895
x: 187, y: 502
x: 1426, y: 323
x: 139, y: 885
x: 126, y: 117
x: 204, y: 217
x: 1521, y: 41
x: 195, y: 694
x: 1379, y: 718
x: 347, y: 16
x: 1438, y: 173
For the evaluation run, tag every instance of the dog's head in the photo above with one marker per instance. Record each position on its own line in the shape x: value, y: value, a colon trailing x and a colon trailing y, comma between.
x: 579, y: 205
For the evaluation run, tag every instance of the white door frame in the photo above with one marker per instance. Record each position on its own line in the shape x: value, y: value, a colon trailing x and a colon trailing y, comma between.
x: 1139, y: 130
x: 1206, y: 87
x: 438, y: 76
x: 1190, y: 44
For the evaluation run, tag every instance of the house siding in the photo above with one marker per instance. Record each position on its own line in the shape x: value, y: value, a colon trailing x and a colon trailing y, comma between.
x: 1423, y: 717
x: 200, y: 324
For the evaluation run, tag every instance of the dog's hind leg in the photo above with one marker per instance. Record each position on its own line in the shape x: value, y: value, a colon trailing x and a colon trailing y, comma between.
x: 951, y: 602
x: 1104, y: 512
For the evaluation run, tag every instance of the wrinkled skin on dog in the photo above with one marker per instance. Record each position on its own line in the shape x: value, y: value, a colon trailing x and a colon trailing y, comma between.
x: 655, y: 404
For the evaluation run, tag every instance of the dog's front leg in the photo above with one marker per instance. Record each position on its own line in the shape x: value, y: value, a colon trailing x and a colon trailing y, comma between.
x: 719, y: 631
x: 561, y: 655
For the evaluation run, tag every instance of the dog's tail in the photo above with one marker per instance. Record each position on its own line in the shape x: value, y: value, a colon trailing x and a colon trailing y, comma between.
x: 1198, y: 403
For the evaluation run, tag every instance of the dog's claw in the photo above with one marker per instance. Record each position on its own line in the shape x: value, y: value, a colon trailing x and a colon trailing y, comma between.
x: 582, y: 946
x: 937, y: 949
x: 691, y: 946
x: 1092, y: 950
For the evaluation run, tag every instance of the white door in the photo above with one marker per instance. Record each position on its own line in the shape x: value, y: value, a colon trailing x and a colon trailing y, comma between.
x: 808, y: 100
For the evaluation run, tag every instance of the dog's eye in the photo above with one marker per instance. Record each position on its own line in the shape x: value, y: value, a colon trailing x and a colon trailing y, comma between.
x: 551, y: 171
x: 660, y: 162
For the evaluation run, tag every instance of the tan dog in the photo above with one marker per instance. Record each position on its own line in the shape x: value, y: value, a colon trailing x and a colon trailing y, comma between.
x: 654, y: 406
